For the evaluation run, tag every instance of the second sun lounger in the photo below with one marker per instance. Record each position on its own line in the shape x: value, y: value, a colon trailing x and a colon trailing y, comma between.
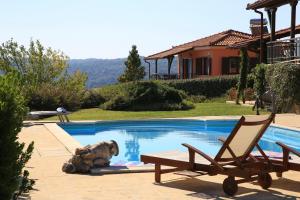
x: 234, y: 159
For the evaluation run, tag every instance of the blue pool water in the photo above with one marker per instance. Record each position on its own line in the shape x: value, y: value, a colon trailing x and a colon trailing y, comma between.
x: 142, y: 137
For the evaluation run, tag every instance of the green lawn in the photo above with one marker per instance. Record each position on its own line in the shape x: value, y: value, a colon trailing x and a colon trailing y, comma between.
x: 201, y: 109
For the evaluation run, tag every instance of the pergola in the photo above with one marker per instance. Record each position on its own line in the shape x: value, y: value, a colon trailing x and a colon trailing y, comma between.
x: 271, y: 7
x: 169, y: 55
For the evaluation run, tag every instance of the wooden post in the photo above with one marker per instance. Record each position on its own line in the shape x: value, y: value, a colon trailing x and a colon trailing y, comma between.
x: 156, y: 69
x: 170, y: 60
x: 293, y: 24
x: 273, y: 24
x: 149, y: 68
x: 293, y: 18
x: 157, y: 173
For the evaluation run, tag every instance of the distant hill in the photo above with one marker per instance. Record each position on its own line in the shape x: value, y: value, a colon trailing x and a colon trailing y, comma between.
x: 106, y: 71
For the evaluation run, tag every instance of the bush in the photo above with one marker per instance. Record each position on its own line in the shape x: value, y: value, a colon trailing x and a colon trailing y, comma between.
x: 67, y: 93
x: 13, y: 159
x: 210, y: 87
x: 260, y: 79
x: 92, y: 99
x: 138, y: 96
x: 197, y: 98
x: 284, y: 80
x: 249, y: 94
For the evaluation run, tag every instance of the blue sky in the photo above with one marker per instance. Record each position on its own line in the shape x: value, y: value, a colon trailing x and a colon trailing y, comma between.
x: 108, y: 28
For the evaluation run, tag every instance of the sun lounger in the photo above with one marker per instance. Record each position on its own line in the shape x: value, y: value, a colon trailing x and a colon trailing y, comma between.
x: 234, y: 159
x: 62, y: 116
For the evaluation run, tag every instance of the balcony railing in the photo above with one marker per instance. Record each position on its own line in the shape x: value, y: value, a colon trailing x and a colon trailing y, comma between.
x: 162, y: 76
x: 283, y: 50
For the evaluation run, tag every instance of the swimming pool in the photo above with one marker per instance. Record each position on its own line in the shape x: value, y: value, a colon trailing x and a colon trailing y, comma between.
x: 152, y: 136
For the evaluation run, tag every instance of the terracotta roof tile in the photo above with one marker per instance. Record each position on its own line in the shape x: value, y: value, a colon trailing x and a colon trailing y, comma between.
x: 267, y: 3
x: 279, y: 34
x: 224, y: 38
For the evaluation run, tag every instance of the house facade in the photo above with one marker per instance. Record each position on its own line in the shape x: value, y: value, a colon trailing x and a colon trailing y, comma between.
x: 209, y: 56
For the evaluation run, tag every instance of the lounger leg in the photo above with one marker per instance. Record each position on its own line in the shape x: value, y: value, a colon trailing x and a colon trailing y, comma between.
x: 67, y: 118
x: 279, y: 174
x: 157, y: 173
x: 60, y: 119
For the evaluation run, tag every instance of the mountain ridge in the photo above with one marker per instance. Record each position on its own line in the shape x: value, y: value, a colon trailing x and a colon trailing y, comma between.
x: 106, y: 71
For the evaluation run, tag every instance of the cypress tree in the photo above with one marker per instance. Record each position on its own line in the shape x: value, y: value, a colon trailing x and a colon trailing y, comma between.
x: 242, y: 84
x: 134, y: 70
x: 13, y: 180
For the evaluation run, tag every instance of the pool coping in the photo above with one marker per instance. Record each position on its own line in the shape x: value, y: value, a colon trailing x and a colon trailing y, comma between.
x: 71, y: 143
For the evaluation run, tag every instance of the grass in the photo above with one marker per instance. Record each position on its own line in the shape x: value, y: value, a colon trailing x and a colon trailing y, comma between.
x: 201, y: 109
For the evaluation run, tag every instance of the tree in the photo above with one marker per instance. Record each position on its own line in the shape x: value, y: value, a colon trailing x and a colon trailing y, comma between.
x: 242, y: 84
x: 134, y: 70
x: 13, y: 158
x: 40, y: 67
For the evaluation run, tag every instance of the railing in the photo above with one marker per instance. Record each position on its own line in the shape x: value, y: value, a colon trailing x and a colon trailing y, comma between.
x: 283, y: 50
x: 162, y: 76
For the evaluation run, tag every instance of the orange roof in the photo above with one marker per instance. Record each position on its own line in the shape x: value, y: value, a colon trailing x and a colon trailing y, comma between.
x: 278, y: 34
x: 224, y: 38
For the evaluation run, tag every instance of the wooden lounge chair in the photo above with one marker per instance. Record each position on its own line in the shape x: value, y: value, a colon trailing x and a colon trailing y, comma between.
x: 234, y: 159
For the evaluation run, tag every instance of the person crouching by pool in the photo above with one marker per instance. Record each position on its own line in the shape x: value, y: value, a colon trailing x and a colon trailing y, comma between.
x: 91, y: 156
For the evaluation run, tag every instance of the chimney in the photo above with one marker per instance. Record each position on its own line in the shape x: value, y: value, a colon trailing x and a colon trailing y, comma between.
x: 255, y: 26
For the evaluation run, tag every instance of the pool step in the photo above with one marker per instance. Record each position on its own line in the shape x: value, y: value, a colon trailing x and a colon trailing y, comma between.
x: 190, y: 174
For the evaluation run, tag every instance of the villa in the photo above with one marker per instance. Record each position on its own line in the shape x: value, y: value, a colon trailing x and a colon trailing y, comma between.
x: 212, y: 149
x: 208, y: 56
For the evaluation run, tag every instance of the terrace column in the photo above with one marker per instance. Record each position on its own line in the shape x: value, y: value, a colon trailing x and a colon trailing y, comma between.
x: 273, y: 24
x: 156, y: 69
x: 170, y: 60
x: 293, y: 24
x: 293, y: 18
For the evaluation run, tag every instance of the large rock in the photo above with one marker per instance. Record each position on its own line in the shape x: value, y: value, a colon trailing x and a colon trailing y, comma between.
x: 91, y: 156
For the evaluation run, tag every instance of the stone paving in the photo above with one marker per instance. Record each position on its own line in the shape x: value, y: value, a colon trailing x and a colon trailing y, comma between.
x: 53, y: 184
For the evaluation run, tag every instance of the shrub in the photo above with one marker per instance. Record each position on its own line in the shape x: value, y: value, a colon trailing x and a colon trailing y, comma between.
x: 52, y: 96
x: 13, y: 158
x: 260, y: 79
x: 197, y: 98
x: 284, y: 80
x: 92, y: 98
x: 137, y: 96
x: 210, y: 87
x: 249, y: 94
x: 232, y: 94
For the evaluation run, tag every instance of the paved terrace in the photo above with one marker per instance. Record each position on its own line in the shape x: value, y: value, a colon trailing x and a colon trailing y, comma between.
x: 52, y: 183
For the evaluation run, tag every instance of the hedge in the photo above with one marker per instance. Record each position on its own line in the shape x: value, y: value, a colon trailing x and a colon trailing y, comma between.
x: 145, y: 95
x: 209, y: 87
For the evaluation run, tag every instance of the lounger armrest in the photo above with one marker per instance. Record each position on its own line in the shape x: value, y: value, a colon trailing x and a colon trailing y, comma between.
x: 221, y: 139
x: 287, y: 148
x: 204, y: 155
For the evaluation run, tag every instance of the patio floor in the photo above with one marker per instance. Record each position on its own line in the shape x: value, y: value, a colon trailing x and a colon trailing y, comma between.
x: 52, y: 183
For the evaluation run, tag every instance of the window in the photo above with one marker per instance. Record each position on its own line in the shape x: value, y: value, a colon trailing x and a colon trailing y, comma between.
x: 203, y: 66
x: 230, y: 65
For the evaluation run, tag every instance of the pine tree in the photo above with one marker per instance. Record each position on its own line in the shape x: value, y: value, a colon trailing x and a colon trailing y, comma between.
x: 243, y: 75
x: 134, y: 70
